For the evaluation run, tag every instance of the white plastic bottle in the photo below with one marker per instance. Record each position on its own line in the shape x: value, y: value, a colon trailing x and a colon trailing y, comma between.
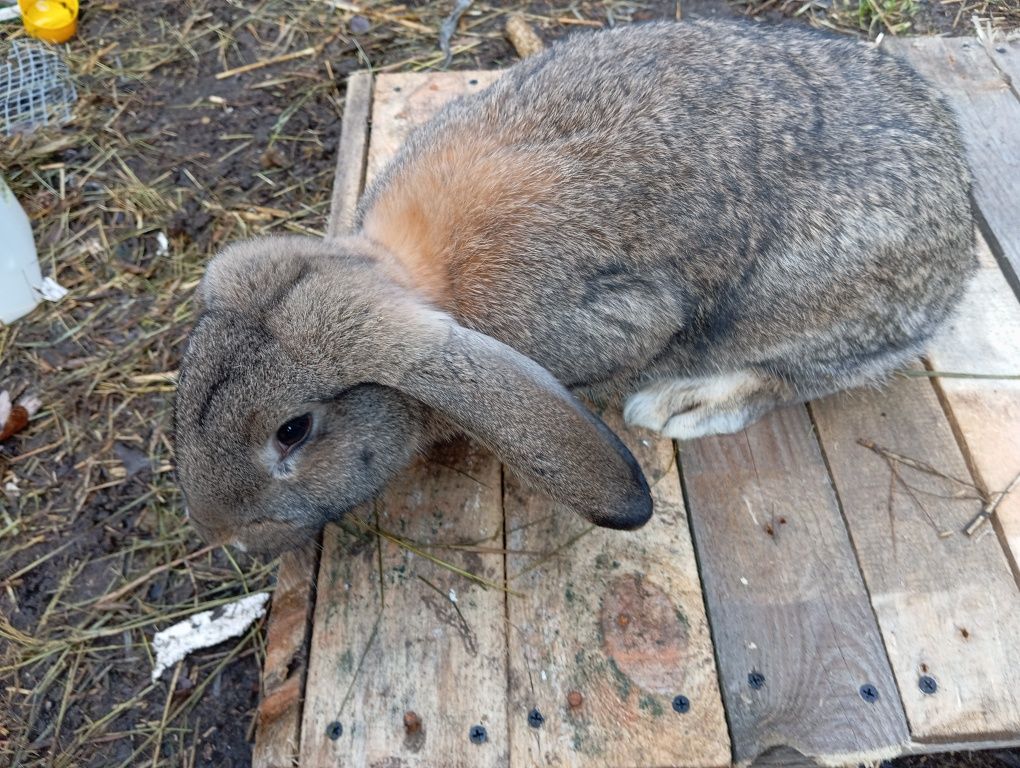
x: 20, y: 277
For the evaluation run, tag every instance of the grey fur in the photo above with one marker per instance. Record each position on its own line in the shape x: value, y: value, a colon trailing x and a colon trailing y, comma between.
x: 681, y: 202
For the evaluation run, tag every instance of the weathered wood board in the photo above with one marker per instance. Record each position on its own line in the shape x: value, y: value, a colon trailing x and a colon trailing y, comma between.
x: 1005, y: 55
x: 611, y: 631
x: 403, y: 101
x: 984, y: 339
x: 988, y: 112
x: 794, y: 634
x: 351, y: 154
x: 947, y: 604
x: 395, y: 633
x: 283, y: 672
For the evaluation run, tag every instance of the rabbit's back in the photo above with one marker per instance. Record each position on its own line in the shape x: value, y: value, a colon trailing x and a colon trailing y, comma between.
x: 686, y: 197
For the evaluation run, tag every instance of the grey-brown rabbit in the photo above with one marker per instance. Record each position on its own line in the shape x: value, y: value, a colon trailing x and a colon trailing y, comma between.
x: 700, y: 221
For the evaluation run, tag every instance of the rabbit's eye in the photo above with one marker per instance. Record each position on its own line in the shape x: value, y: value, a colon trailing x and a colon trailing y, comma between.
x: 294, y: 431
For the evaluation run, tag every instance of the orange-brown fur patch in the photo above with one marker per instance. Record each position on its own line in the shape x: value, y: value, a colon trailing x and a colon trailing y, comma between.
x: 451, y: 217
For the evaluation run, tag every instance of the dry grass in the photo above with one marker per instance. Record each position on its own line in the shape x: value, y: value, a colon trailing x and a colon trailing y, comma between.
x: 94, y: 556
x: 870, y: 18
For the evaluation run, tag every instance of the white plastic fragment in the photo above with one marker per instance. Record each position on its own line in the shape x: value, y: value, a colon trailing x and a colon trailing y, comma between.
x: 453, y: 596
x: 206, y: 629
x: 162, y: 244
x: 11, y: 12
x: 51, y: 290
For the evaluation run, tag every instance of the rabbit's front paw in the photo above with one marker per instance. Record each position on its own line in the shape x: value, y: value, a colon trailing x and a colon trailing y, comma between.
x: 687, y: 408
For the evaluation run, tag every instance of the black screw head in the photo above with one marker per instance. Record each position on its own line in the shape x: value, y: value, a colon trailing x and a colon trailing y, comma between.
x: 681, y: 704
x: 535, y: 718
x: 869, y: 693
x: 478, y: 735
x: 927, y: 684
x: 334, y: 730
x: 756, y: 680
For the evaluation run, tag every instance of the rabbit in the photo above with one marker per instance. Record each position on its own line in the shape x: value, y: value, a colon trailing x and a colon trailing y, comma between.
x: 697, y: 221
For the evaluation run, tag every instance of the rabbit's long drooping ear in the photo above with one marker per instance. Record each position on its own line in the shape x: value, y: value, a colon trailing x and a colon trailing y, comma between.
x: 525, y: 416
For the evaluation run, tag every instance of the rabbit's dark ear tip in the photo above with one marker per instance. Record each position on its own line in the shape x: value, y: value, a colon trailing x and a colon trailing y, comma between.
x: 633, y: 517
x: 634, y: 508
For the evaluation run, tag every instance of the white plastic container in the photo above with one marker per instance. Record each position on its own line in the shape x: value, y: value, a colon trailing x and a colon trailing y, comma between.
x: 20, y: 278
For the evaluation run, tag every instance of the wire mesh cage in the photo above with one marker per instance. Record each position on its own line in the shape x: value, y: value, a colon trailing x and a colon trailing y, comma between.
x: 35, y: 87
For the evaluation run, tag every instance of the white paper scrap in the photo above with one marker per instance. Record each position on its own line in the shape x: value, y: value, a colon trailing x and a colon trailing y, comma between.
x: 162, y: 244
x: 51, y: 290
x: 206, y: 629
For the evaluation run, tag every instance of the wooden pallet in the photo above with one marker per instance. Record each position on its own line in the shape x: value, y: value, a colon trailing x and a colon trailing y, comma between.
x: 798, y: 598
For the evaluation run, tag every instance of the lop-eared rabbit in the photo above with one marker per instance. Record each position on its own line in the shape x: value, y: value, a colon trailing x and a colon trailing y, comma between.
x: 699, y: 222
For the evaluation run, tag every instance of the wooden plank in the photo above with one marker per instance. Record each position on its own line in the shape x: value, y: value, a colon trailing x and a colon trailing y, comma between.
x: 351, y: 154
x: 403, y: 99
x: 395, y: 633
x: 617, y: 620
x: 795, y: 636
x: 1006, y: 57
x: 277, y: 735
x: 947, y: 604
x: 989, y: 114
x: 984, y: 338
x: 283, y: 673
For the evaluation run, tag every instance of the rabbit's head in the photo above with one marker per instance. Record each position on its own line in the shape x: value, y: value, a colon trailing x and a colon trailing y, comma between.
x: 312, y: 376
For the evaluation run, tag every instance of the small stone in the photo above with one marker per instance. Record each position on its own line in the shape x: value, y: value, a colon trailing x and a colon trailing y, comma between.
x: 184, y: 687
x: 360, y: 25
x: 273, y: 157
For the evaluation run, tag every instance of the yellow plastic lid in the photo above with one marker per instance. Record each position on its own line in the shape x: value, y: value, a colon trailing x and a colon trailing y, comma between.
x: 54, y: 21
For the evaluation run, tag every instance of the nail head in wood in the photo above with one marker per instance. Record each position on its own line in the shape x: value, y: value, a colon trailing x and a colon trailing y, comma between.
x: 869, y: 693
x: 756, y: 680
x: 334, y: 730
x: 681, y: 704
x: 927, y: 684
x: 412, y: 723
x: 535, y: 718
x: 478, y: 734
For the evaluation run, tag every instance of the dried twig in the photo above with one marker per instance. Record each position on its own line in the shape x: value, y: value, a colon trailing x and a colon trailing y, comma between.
x: 989, y: 509
x: 920, y: 466
x: 310, y: 51
x: 111, y: 597
x: 448, y: 27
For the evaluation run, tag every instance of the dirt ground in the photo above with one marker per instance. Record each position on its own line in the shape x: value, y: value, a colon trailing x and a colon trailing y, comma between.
x: 94, y: 555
